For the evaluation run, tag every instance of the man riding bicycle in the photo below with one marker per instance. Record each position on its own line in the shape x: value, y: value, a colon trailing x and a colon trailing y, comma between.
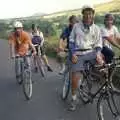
x: 20, y: 43
x: 86, y: 38
x: 38, y: 39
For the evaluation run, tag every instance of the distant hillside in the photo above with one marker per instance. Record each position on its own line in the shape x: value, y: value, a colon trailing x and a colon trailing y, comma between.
x: 113, y: 6
x: 39, y: 14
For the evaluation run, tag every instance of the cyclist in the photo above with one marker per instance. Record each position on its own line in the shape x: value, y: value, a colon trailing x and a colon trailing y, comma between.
x: 37, y: 36
x: 109, y: 34
x: 65, y: 36
x: 87, y: 37
x: 20, y: 43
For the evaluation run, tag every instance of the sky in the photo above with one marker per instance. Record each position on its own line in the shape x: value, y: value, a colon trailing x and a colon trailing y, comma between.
x: 23, y: 8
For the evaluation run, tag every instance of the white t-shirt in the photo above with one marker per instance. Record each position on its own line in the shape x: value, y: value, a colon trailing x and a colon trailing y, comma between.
x: 108, y: 32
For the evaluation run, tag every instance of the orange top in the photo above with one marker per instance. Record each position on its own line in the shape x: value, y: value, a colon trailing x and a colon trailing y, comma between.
x: 20, y: 43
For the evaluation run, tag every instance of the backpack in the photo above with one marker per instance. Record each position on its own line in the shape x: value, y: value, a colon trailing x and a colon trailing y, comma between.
x: 36, y: 39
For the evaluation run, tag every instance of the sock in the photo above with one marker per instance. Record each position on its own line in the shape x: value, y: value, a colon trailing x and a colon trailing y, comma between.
x: 63, y: 66
x: 74, y: 97
x: 79, y: 82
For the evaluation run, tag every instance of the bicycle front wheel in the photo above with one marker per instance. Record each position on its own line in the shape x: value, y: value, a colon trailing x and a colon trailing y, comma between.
x: 27, y: 85
x: 84, y: 89
x: 41, y: 66
x: 18, y: 71
x: 66, y: 86
x: 108, y: 106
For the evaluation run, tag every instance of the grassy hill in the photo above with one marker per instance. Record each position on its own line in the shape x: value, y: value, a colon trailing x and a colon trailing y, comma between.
x: 113, y: 6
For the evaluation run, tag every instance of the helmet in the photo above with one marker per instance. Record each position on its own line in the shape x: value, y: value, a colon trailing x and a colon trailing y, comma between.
x: 109, y: 15
x: 90, y: 7
x: 18, y: 24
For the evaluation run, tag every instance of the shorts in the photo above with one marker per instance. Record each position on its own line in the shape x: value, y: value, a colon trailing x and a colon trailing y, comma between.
x: 79, y: 66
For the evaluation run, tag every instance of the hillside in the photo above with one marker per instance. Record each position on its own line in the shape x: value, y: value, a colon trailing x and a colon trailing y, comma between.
x: 113, y: 6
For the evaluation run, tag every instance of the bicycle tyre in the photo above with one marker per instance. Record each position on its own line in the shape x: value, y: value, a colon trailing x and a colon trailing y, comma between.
x: 41, y: 66
x: 27, y: 85
x: 19, y: 78
x: 115, y: 80
x: 66, y: 86
x: 112, y: 107
x: 84, y: 90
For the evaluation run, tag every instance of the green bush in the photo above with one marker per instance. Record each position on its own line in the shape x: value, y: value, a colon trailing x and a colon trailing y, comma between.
x: 51, y: 44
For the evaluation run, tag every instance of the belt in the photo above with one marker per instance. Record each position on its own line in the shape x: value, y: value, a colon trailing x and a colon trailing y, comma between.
x: 83, y: 52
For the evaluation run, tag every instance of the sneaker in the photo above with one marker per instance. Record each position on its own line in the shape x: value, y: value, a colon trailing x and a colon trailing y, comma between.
x: 73, y: 105
x: 35, y: 69
x: 49, y: 69
x: 62, y: 72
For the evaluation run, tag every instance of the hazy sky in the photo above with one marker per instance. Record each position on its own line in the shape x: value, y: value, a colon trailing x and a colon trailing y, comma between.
x: 21, y: 8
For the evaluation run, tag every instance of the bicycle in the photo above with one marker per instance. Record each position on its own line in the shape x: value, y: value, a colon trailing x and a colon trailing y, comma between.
x: 107, y: 92
x: 24, y: 77
x: 38, y: 61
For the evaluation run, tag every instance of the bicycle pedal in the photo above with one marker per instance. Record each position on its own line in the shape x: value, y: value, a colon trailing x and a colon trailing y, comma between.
x: 90, y: 98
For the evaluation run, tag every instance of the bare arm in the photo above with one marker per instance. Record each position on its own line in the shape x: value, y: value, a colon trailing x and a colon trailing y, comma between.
x: 28, y: 39
x: 113, y: 41
x: 42, y: 38
x: 11, y: 47
x: 32, y: 47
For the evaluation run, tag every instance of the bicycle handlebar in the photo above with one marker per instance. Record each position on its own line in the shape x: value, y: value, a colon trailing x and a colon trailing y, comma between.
x: 37, y: 45
x: 113, y: 63
x: 18, y: 56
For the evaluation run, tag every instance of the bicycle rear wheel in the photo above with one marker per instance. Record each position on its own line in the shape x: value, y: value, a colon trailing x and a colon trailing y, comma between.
x: 66, y: 86
x: 27, y: 85
x: 108, y: 106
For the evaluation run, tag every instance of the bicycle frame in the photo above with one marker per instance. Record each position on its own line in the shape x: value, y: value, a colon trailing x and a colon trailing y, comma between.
x: 106, y: 85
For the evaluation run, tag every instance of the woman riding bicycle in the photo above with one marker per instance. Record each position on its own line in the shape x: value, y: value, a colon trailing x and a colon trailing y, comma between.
x: 38, y: 39
x: 109, y: 34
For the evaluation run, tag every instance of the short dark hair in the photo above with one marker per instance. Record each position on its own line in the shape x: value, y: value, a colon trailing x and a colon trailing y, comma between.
x: 38, y: 27
x: 109, y: 15
x: 33, y: 26
x: 72, y: 17
x: 88, y: 9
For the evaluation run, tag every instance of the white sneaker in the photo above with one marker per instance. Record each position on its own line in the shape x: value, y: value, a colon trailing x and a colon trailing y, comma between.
x: 63, y: 69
